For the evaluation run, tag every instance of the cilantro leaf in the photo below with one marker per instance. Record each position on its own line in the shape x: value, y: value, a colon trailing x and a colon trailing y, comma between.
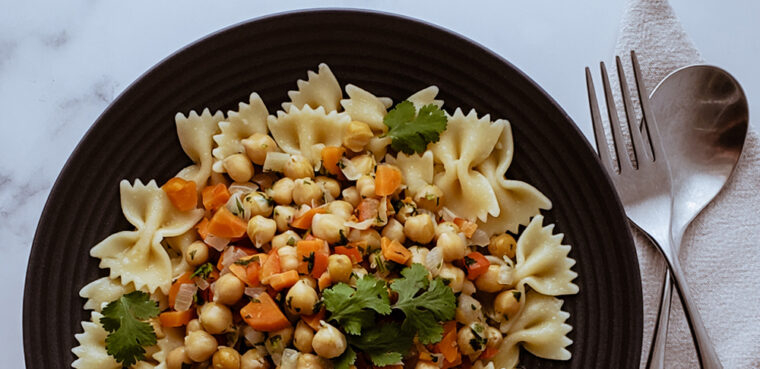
x: 203, y: 271
x: 423, y: 312
x: 385, y: 344
x: 128, y: 334
x: 354, y: 308
x: 345, y: 360
x: 410, y: 132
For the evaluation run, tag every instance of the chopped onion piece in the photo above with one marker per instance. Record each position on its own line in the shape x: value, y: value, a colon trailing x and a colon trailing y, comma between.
x: 495, y: 260
x: 447, y: 215
x: 434, y: 261
x: 351, y: 171
x: 505, y: 275
x: 218, y: 243
x: 255, y: 292
x: 235, y: 206
x: 184, y: 298
x: 229, y: 257
x: 382, y: 212
x: 201, y: 283
x: 479, y: 238
x: 275, y: 161
x: 253, y: 336
x: 289, y: 359
x: 363, y: 225
x: 301, y: 211
x: 244, y: 188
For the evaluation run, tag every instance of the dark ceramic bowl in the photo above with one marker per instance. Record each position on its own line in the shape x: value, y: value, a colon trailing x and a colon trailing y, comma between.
x: 388, y: 55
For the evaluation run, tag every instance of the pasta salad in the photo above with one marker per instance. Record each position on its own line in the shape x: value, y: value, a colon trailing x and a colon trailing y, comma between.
x: 339, y: 232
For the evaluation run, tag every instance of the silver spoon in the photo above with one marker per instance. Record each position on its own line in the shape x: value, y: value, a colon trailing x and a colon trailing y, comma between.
x: 704, y: 118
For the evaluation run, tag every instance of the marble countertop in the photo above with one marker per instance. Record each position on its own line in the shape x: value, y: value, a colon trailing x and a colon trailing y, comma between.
x: 62, y: 63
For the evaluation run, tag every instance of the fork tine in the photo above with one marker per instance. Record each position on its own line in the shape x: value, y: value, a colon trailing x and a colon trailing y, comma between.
x: 623, y: 160
x: 639, y: 150
x: 596, y: 119
x: 649, y: 121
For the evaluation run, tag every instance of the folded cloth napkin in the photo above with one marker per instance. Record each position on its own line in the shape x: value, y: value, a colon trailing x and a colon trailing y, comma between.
x: 720, y: 254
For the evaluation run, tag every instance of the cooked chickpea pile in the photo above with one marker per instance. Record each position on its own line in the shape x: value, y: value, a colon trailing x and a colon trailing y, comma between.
x: 300, y: 203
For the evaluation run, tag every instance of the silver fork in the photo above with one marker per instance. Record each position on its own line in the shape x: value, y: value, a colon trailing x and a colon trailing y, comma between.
x: 644, y: 189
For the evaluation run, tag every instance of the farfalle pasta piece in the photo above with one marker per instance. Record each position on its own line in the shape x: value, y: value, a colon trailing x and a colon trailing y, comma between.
x: 416, y: 169
x: 542, y: 262
x: 306, y: 131
x: 195, y: 134
x: 102, y: 291
x: 517, y: 200
x: 467, y: 142
x: 365, y: 107
x: 250, y: 118
x: 321, y: 89
x: 138, y: 256
x: 179, y: 244
x: 425, y: 96
x: 540, y: 327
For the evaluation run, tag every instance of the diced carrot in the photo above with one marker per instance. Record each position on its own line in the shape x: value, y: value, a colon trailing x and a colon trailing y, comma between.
x: 352, y: 252
x: 387, y: 179
x: 476, y: 264
x: 263, y: 314
x: 360, y: 245
x: 394, y: 251
x: 303, y: 221
x: 312, y: 256
x: 171, y: 319
x: 202, y: 228
x: 489, y: 353
x: 466, y: 226
x: 270, y: 267
x: 215, y: 196
x: 240, y: 272
x: 368, y: 208
x: 174, y: 289
x: 448, y: 344
x: 324, y: 281
x: 313, y: 320
x: 454, y: 363
x: 247, y: 269
x: 181, y: 193
x: 330, y: 157
x: 283, y: 280
x: 227, y: 225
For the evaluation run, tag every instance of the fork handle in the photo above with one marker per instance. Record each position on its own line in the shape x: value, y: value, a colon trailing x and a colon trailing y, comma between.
x: 708, y: 357
x: 656, y: 359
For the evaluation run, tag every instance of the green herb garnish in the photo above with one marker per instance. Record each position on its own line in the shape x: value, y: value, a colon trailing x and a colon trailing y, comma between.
x: 128, y: 333
x: 412, y: 131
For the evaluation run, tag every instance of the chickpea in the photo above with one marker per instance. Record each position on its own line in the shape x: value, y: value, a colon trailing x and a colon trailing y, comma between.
x: 339, y: 267
x: 215, y: 318
x: 261, y: 230
x: 503, y: 245
x: 366, y: 186
x: 176, y: 358
x: 489, y: 281
x: 194, y: 325
x: 328, y: 342
x: 329, y: 227
x: 301, y: 298
x: 310, y: 281
x: 420, y: 228
x: 371, y: 237
x: 228, y: 289
x: 429, y: 197
x: 469, y: 310
x: 364, y: 164
x: 226, y: 358
x: 471, y: 339
x: 298, y: 167
x: 238, y: 167
x: 283, y: 215
x: 453, y: 275
x: 303, y: 336
x: 253, y: 359
x: 287, y: 238
x: 419, y: 254
x: 394, y: 230
x: 452, y: 246
x: 341, y: 208
x: 351, y: 195
x: 329, y: 185
x: 468, y: 288
x: 306, y: 191
x: 282, y: 191
x: 197, y: 253
x: 288, y: 258
x: 494, y: 337
x: 279, y: 340
x: 446, y: 227
x: 199, y: 346
x: 405, y: 211
x: 311, y: 361
x: 265, y: 180
x: 356, y: 135
x: 257, y: 146
x: 424, y: 364
x: 507, y: 303
x: 258, y: 203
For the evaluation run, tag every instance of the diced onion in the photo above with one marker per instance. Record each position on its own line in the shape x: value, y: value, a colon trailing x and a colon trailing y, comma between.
x: 289, y: 359
x: 255, y: 292
x: 244, y: 188
x: 447, y: 215
x: 235, y: 205
x: 363, y: 225
x: 301, y: 211
x: 275, y: 161
x: 253, y: 336
x: 382, y: 212
x: 434, y: 260
x: 218, y: 243
x: 495, y: 260
x: 479, y: 238
x: 505, y: 276
x: 184, y: 298
x: 229, y: 257
x: 349, y: 170
x: 201, y: 283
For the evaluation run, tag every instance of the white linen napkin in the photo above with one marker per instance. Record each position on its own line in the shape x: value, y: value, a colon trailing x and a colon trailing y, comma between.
x: 720, y: 253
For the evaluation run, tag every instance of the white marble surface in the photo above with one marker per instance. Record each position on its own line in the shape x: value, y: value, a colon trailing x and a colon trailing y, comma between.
x: 62, y: 63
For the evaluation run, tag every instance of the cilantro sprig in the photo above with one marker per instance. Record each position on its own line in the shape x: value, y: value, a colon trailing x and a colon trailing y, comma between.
x: 353, y: 308
x: 128, y: 333
x: 411, y: 131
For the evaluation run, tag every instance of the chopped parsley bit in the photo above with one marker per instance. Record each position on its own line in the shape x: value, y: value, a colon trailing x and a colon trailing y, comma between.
x: 264, y: 146
x: 192, y: 254
x: 341, y: 165
x: 472, y: 306
x: 310, y: 261
x: 429, y: 196
x: 517, y: 295
x: 291, y: 241
x: 270, y: 200
x: 240, y: 209
x: 245, y: 262
x: 469, y: 261
x: 343, y: 238
x: 203, y: 271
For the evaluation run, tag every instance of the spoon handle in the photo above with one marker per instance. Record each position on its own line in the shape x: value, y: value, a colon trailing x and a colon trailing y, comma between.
x: 656, y: 359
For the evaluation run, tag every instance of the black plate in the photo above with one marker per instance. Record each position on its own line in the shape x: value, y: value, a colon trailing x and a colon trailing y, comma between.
x: 388, y: 55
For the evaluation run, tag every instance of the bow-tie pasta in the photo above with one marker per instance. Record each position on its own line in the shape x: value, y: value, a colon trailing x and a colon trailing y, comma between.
x: 425, y: 96
x: 417, y: 170
x: 250, y: 118
x: 306, y: 131
x: 195, y: 134
x: 321, y: 89
x: 366, y: 107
